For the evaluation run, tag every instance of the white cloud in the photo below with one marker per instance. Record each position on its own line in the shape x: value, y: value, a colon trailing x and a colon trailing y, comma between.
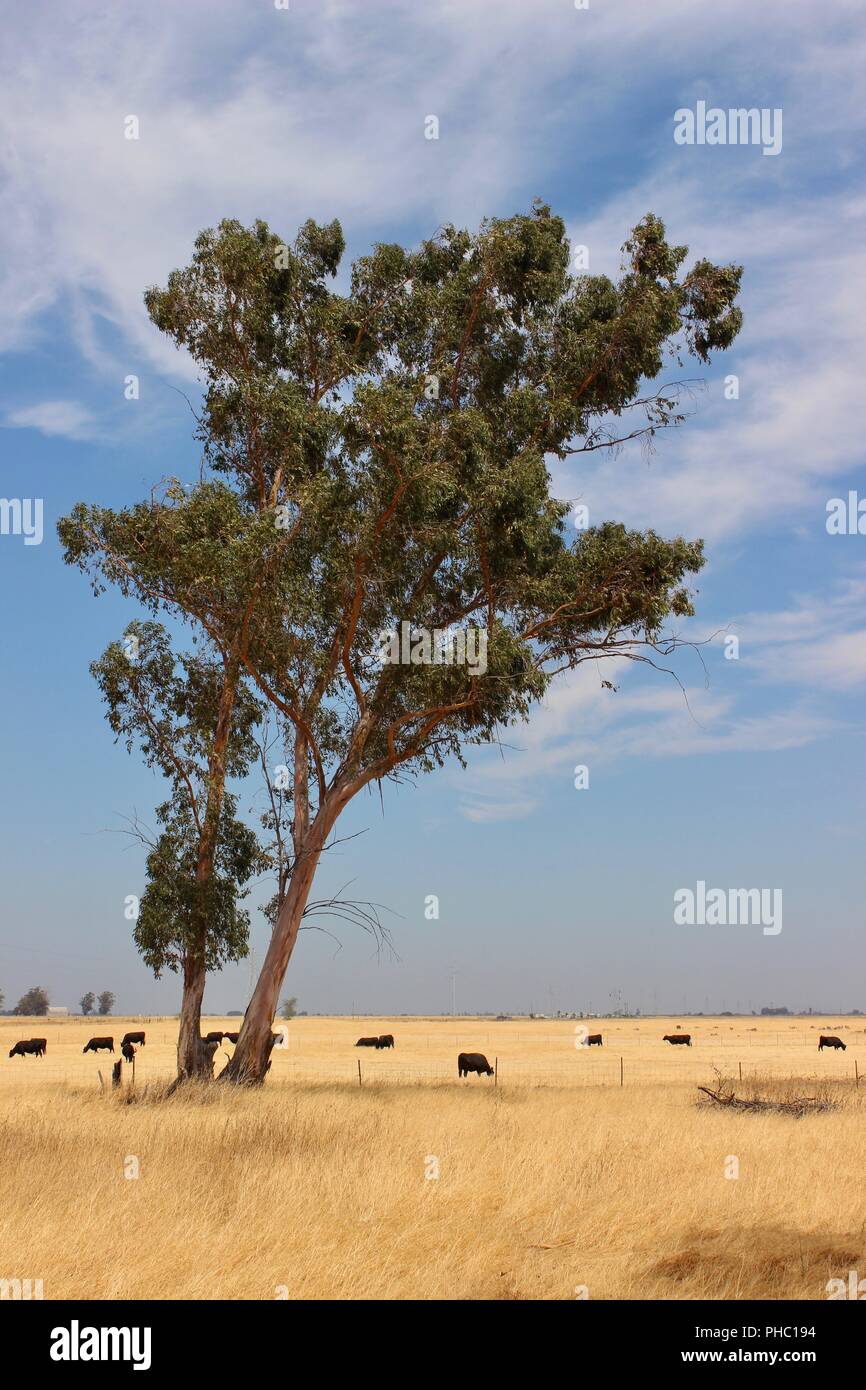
x: 819, y: 643
x: 749, y: 464
x: 815, y: 648
x: 65, y: 419
x: 248, y: 111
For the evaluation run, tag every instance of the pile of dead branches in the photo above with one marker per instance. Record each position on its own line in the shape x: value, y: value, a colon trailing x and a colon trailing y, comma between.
x: 797, y: 1106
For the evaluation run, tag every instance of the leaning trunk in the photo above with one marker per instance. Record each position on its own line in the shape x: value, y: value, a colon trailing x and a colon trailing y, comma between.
x: 251, y: 1058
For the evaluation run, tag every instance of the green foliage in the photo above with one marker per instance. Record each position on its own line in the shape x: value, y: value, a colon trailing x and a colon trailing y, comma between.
x: 35, y: 1001
x: 105, y: 1002
x: 289, y: 1007
x: 167, y: 706
x: 389, y: 448
x: 87, y: 1003
x: 175, y: 902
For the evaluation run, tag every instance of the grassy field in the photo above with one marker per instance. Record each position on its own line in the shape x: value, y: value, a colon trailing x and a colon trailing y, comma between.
x: 558, y: 1180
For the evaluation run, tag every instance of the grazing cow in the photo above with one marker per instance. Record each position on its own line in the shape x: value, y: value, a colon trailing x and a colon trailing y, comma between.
x: 830, y: 1040
x: 128, y: 1051
x: 473, y: 1061
x: 386, y: 1040
x: 132, y: 1038
x: 99, y: 1045
x: 367, y: 1042
x: 213, y: 1037
x: 594, y: 1040
x: 231, y: 1037
x: 678, y: 1038
x: 34, y: 1047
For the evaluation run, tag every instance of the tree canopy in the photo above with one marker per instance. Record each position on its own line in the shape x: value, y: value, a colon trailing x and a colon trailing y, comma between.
x: 379, y: 458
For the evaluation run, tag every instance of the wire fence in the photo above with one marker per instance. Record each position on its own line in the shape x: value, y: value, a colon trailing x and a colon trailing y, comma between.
x: 616, y: 1069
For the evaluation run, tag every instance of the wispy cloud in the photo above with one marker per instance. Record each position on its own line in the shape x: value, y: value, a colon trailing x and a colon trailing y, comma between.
x: 794, y: 664
x: 56, y: 419
x: 319, y: 110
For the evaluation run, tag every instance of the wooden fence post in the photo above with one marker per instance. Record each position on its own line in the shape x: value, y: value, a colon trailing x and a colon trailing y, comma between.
x: 360, y: 1082
x: 496, y: 1071
x: 621, y: 1080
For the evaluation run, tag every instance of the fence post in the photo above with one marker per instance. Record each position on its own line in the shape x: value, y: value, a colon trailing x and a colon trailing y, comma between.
x: 360, y: 1082
x: 621, y: 1082
x: 856, y: 1073
x: 496, y: 1071
x: 741, y: 1071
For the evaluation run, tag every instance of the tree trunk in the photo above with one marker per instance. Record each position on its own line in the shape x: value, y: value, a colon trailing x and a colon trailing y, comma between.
x: 251, y: 1058
x: 192, y: 1061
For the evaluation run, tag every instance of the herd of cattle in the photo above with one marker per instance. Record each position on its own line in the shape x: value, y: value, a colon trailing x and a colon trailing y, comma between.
x: 466, y: 1062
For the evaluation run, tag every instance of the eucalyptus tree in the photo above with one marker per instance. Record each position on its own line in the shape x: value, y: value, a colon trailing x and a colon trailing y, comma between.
x: 380, y: 481
x: 435, y: 390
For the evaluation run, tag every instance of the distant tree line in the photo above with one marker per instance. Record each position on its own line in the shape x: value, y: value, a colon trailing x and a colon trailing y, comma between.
x: 104, y: 1003
x: 36, y: 1003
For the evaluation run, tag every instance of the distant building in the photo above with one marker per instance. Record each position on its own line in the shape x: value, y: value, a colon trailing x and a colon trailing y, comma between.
x: 57, y: 1011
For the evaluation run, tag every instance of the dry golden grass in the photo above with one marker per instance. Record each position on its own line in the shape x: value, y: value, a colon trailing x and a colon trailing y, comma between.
x: 316, y: 1188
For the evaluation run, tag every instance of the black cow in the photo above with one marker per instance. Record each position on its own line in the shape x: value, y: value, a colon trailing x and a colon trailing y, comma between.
x: 594, y: 1040
x: 132, y: 1038
x: 213, y: 1037
x: 231, y: 1037
x: 128, y: 1051
x: 473, y: 1061
x: 678, y: 1038
x: 33, y: 1047
x: 99, y: 1045
x: 830, y: 1040
x: 386, y: 1040
x: 367, y: 1042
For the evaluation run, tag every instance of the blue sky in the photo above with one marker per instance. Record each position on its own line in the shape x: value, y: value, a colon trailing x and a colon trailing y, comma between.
x: 550, y: 897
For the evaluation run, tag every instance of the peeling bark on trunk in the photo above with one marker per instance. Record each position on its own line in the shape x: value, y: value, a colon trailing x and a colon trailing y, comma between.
x: 251, y: 1058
